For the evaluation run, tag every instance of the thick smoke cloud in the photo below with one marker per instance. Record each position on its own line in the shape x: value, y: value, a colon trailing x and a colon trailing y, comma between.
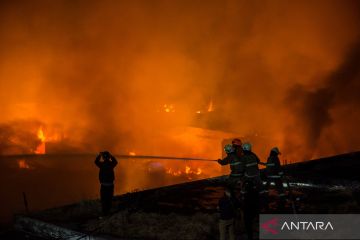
x: 313, y: 108
x: 103, y: 71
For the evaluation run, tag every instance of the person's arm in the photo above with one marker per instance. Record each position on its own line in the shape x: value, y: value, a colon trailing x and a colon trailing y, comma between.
x: 261, y: 163
x: 97, y: 160
x: 258, y: 160
x: 113, y: 160
x: 224, y: 161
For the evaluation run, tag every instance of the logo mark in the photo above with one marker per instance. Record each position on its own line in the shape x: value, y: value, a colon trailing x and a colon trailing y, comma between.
x: 267, y: 226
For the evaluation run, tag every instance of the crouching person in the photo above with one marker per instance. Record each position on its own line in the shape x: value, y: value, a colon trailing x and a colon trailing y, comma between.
x: 106, y: 177
x: 227, y: 216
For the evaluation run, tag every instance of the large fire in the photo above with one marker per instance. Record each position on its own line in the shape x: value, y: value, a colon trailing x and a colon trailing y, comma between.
x: 163, y: 67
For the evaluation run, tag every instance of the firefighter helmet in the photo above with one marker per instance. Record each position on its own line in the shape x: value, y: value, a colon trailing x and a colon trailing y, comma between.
x: 229, y: 148
x: 246, y: 146
x: 275, y: 150
x: 236, y: 142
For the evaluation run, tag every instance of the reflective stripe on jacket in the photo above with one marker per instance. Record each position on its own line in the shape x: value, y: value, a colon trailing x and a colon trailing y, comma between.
x: 251, y: 162
x: 273, y: 167
x: 236, y: 165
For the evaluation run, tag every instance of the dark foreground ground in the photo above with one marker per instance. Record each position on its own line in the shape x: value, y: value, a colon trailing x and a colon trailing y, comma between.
x: 188, y: 211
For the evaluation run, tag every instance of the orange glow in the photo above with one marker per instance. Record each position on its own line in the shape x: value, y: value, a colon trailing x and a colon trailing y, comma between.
x: 174, y: 172
x: 132, y: 153
x: 23, y: 164
x: 153, y: 81
x: 196, y: 171
x: 41, y: 148
x: 210, y: 107
x: 41, y: 135
x: 188, y: 171
x: 169, y: 108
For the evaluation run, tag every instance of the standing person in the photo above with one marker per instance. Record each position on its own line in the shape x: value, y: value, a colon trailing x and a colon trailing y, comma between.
x: 251, y: 168
x: 233, y: 152
x: 251, y: 188
x: 275, y: 174
x: 273, y: 170
x: 106, y: 177
x: 227, y: 216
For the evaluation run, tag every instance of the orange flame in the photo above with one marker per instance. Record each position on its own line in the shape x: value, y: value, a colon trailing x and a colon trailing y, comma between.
x: 188, y: 171
x: 23, y: 164
x: 173, y: 172
x: 41, y: 136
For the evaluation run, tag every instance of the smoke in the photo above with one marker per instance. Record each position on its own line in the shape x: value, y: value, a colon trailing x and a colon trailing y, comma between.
x: 103, y: 71
x: 18, y: 137
x: 313, y: 108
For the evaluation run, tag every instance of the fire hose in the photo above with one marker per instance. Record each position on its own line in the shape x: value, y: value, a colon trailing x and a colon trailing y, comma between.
x: 164, y: 157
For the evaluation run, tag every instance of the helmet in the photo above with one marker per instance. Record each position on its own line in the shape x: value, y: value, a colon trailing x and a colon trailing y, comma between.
x: 246, y: 146
x: 276, y: 150
x: 229, y: 148
x: 236, y: 142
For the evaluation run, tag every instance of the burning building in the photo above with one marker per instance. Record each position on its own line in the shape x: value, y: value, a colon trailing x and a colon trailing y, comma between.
x: 175, y: 78
x: 122, y: 75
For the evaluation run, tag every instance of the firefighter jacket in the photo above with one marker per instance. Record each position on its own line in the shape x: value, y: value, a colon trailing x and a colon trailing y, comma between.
x: 236, y: 166
x: 250, y: 162
x: 273, y: 167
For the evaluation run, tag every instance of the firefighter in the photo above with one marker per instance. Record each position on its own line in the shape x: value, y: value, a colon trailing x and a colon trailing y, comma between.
x: 236, y: 165
x: 275, y: 174
x: 227, y: 211
x: 106, y: 177
x: 252, y: 189
x: 251, y: 169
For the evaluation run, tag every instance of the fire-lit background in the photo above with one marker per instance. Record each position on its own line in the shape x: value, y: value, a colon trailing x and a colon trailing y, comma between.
x: 175, y: 78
